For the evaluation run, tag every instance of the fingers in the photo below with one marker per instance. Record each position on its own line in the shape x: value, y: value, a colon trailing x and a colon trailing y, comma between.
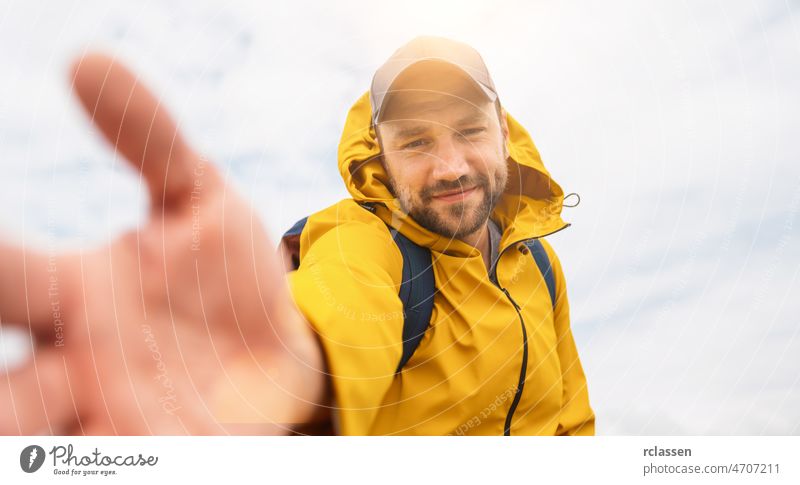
x: 138, y: 126
x: 33, y: 288
x: 36, y: 399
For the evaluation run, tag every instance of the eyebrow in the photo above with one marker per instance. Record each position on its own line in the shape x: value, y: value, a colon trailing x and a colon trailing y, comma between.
x: 479, y: 117
x: 412, y: 131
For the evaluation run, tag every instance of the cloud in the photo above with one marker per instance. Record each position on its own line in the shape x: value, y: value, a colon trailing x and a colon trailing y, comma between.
x: 676, y: 123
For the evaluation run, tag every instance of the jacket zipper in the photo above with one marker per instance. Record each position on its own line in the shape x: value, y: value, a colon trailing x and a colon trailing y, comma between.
x: 524, y: 368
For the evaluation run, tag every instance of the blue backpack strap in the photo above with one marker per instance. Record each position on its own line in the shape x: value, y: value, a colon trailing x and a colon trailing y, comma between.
x: 290, y: 242
x: 416, y: 292
x: 297, y: 228
x: 543, y: 262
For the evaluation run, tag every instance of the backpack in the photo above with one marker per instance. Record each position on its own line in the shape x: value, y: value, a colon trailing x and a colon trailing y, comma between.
x: 418, y: 287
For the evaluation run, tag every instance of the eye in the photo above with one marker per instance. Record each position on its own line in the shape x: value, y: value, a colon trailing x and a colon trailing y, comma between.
x: 472, y: 131
x: 414, y: 144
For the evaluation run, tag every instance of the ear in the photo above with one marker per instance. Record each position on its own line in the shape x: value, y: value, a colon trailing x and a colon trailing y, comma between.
x: 378, y: 138
x: 389, y: 182
x: 504, y: 131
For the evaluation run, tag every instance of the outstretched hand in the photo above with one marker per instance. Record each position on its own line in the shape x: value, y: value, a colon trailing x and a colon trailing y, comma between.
x: 183, y: 326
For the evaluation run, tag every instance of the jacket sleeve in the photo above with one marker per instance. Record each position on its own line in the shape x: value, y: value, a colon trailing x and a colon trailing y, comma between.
x: 347, y: 288
x: 577, y: 416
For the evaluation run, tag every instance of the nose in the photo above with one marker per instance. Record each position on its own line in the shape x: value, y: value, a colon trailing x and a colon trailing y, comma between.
x: 450, y: 160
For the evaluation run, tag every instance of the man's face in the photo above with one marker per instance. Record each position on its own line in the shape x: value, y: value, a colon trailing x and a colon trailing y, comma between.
x: 444, y: 149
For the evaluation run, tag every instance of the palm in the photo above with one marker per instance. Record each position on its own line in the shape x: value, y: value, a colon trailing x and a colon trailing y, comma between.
x: 178, y: 327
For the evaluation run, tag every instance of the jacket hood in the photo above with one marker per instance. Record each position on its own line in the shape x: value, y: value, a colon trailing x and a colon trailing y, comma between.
x: 530, y: 206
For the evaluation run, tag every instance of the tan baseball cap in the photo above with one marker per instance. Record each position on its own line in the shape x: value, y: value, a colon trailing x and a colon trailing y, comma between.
x: 428, y: 48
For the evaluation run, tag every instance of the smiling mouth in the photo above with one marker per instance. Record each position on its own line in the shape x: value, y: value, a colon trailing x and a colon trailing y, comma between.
x: 455, y: 195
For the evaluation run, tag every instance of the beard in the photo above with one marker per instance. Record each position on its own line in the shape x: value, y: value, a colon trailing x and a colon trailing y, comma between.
x: 458, y: 219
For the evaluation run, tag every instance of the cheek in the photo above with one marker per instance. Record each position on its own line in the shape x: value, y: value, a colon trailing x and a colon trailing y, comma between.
x: 489, y: 160
x: 411, y: 179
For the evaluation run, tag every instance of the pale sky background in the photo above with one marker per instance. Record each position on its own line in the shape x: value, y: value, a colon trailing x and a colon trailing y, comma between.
x: 678, y: 123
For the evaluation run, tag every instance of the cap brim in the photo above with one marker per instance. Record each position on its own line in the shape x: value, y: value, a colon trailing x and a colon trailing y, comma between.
x: 398, y: 68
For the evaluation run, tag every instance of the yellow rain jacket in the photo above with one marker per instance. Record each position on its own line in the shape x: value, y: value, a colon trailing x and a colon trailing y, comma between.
x: 465, y: 376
